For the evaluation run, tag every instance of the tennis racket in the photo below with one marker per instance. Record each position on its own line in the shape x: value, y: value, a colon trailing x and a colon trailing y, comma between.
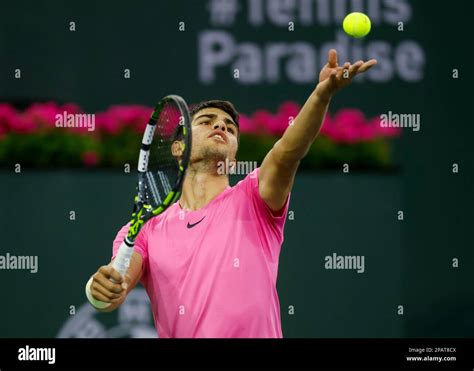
x: 160, y: 173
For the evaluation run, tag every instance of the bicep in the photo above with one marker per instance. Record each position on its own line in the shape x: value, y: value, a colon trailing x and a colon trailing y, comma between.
x: 276, y: 178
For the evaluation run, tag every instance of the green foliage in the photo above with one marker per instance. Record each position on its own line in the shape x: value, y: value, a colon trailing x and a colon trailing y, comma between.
x: 66, y: 149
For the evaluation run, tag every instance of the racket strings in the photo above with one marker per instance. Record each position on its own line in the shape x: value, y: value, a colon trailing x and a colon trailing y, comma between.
x: 163, y: 168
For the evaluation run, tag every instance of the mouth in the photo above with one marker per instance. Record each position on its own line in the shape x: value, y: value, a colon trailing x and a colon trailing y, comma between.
x: 219, y: 136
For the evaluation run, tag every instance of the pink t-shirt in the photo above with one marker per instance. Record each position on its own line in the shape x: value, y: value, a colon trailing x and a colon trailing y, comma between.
x: 211, y: 273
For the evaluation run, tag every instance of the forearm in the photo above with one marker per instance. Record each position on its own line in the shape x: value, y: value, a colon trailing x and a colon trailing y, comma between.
x: 298, y: 138
x: 278, y: 169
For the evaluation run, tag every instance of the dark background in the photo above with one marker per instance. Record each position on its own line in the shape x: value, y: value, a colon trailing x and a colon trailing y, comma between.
x: 408, y: 262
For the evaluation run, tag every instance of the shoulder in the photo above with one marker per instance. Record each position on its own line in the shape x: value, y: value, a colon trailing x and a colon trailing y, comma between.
x: 250, y: 182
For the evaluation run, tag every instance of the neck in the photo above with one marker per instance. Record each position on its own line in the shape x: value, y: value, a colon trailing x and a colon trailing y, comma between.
x: 201, y: 187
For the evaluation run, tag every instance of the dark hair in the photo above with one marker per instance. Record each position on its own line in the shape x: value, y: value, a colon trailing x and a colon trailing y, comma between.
x: 223, y: 105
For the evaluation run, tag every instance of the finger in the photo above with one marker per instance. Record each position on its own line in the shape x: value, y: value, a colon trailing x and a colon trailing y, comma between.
x: 115, y: 276
x: 109, y: 285
x: 340, y: 73
x: 98, y: 296
x: 126, y: 282
x: 354, y: 68
x: 110, y: 272
x: 104, y: 291
x: 346, y: 71
x: 332, y: 58
x: 367, y: 65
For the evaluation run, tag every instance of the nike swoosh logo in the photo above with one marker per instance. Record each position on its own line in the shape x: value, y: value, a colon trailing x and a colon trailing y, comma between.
x: 192, y: 225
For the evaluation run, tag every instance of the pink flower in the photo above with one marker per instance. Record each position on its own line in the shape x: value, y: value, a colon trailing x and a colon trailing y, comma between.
x: 117, y: 118
x: 168, y: 120
x: 349, y: 126
x: 90, y: 158
x: 72, y: 108
x: 43, y: 114
x: 289, y: 110
x: 107, y: 124
x: 280, y: 123
x: 285, y: 117
x: 327, y: 127
x: 270, y: 124
x: 3, y: 132
x: 25, y: 125
x: 346, y: 134
x: 367, y: 132
x: 384, y: 132
x: 246, y: 125
x: 349, y: 116
x: 260, y: 120
x: 13, y: 121
x: 8, y: 117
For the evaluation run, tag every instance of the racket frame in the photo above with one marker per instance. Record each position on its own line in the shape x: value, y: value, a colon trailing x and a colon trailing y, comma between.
x: 142, y: 211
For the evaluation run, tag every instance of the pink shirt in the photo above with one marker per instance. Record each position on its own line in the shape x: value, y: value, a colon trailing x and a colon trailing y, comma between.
x: 211, y: 273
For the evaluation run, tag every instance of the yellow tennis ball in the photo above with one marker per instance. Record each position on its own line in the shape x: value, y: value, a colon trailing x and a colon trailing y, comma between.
x: 356, y: 24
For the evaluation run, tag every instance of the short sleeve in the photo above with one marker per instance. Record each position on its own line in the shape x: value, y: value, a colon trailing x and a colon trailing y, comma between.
x: 270, y: 222
x: 141, y: 245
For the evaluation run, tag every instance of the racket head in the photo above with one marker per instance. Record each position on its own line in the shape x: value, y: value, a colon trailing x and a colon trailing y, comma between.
x: 160, y: 172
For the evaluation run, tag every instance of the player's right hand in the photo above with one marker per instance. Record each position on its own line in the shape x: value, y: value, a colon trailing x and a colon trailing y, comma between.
x: 108, y: 285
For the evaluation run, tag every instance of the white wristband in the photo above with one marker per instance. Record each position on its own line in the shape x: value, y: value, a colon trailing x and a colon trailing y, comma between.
x: 95, y: 303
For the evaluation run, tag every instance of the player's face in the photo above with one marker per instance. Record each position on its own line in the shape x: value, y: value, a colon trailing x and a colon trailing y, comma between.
x: 214, y: 136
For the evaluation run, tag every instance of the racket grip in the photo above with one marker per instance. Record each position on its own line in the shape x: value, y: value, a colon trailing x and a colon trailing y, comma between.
x: 122, y: 259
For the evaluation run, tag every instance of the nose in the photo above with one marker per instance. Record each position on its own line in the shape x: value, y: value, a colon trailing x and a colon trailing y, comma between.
x: 219, y: 124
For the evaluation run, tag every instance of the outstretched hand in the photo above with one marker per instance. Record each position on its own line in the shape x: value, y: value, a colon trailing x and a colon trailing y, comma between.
x: 333, y: 77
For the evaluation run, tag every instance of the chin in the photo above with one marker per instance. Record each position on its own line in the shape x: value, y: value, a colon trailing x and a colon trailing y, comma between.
x: 214, y: 153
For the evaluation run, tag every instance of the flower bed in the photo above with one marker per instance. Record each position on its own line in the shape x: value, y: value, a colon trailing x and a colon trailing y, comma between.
x: 34, y: 138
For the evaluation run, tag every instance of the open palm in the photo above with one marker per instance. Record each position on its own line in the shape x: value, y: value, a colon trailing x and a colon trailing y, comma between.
x: 333, y: 77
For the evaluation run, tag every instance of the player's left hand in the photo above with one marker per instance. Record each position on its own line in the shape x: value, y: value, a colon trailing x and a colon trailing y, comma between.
x: 333, y: 77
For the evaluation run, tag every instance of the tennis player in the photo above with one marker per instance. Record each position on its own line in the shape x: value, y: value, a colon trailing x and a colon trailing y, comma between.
x: 209, y: 263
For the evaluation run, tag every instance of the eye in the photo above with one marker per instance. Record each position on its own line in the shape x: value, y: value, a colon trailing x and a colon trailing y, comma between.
x: 231, y: 130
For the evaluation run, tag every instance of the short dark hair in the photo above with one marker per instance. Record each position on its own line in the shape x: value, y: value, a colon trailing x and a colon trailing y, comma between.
x: 223, y: 105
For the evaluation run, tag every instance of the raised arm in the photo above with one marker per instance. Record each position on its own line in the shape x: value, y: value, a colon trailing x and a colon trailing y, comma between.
x: 277, y: 172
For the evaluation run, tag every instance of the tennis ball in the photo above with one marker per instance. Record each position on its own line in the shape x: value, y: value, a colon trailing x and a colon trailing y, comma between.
x: 356, y: 24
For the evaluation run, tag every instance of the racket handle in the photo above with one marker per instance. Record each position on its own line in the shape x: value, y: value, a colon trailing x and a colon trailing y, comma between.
x: 122, y: 259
